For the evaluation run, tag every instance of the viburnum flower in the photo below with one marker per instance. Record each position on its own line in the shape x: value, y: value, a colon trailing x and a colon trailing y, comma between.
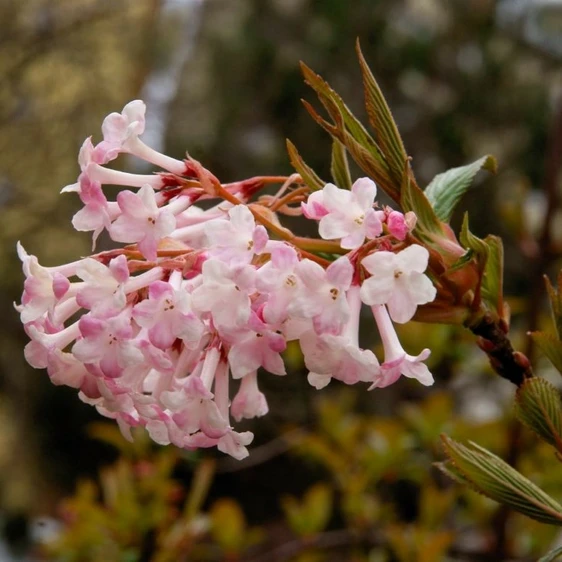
x: 142, y: 221
x: 344, y: 214
x: 323, y: 295
x: 398, y: 281
x: 152, y: 333
x: 396, y: 361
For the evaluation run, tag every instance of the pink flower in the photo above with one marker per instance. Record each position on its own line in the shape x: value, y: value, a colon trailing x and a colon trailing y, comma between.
x: 314, y: 207
x: 142, y: 221
x: 400, y: 225
x: 107, y: 344
x: 167, y: 315
x: 396, y: 361
x: 279, y: 280
x: 42, y: 289
x: 194, y: 409
x: 249, y: 402
x: 103, y: 291
x: 328, y: 356
x: 97, y: 212
x: 121, y: 134
x: 258, y: 347
x: 323, y: 295
x: 397, y: 280
x: 225, y: 293
x: 238, y: 239
x: 348, y: 215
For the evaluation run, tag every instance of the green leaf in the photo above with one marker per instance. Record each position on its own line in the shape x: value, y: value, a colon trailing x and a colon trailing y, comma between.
x: 446, y: 189
x: 539, y: 407
x: 552, y: 555
x: 491, y: 476
x: 555, y: 296
x: 489, y: 255
x: 228, y: 525
x: 340, y: 166
x: 413, y: 199
x: 313, y: 513
x: 308, y: 175
x: 382, y: 121
x: 550, y: 346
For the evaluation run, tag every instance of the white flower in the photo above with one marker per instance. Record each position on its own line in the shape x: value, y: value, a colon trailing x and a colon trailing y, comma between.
x: 398, y: 281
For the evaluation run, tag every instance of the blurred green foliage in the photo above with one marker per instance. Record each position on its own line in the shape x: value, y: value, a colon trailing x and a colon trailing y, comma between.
x: 358, y: 484
x: 378, y: 498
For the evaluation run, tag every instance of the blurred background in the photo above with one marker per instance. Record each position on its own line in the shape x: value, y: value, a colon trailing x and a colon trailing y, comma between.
x: 337, y: 474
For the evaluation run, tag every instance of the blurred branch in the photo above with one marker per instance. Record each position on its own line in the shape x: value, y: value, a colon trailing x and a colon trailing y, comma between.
x: 542, y: 261
x: 263, y: 453
x: 328, y: 539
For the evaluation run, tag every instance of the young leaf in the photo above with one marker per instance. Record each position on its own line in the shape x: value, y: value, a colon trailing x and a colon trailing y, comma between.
x: 550, y: 346
x: 552, y: 555
x: 489, y: 253
x: 306, y: 172
x: 539, y: 407
x: 340, y: 167
x: 446, y: 189
x: 412, y: 198
x: 382, y: 121
x: 351, y: 133
x: 493, y: 477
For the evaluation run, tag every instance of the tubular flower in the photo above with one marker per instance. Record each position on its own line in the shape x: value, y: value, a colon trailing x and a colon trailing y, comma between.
x: 155, y: 333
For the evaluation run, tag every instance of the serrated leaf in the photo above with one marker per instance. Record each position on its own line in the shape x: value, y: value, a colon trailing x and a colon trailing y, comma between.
x: 550, y: 346
x: 340, y: 166
x: 552, y: 555
x: 489, y: 255
x: 555, y: 297
x: 491, y: 476
x: 492, y: 288
x: 413, y: 199
x: 351, y: 133
x: 382, y: 121
x: 446, y: 189
x: 539, y: 407
x: 308, y: 175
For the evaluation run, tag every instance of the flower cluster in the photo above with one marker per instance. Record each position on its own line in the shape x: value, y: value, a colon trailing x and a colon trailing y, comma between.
x: 153, y: 333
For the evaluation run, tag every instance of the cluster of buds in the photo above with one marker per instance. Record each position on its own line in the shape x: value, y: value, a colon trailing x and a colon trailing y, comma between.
x: 153, y: 332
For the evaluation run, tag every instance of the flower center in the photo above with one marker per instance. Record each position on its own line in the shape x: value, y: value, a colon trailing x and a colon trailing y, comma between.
x: 290, y: 281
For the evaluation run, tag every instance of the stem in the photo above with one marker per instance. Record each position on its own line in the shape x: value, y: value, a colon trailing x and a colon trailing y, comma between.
x: 541, y: 263
x: 508, y: 363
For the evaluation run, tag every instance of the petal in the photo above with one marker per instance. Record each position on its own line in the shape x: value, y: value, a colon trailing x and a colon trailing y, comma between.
x: 242, y: 219
x: 380, y: 263
x: 413, y: 258
x: 336, y: 199
x: 340, y: 273
x: 353, y: 240
x: 319, y: 381
x: 365, y: 191
x: 401, y: 306
x: 377, y: 290
x: 420, y: 287
x: 372, y: 223
x: 334, y: 225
